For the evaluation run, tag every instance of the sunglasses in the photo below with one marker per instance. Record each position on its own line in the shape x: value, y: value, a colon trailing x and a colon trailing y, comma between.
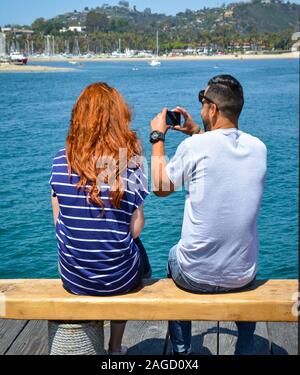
x: 203, y: 97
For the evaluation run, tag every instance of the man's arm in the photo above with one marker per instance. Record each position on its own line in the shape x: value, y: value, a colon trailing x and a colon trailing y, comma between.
x: 162, y: 186
x: 55, y: 207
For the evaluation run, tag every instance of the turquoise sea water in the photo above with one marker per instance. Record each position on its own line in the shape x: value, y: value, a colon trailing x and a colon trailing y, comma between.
x: 35, y: 111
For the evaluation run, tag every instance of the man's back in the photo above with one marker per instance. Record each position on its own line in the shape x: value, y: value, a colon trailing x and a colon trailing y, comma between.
x: 224, y: 174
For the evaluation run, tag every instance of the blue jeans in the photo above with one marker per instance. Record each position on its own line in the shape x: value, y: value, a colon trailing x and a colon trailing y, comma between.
x: 181, y: 331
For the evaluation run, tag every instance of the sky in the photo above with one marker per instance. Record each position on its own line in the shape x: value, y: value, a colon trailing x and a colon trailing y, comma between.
x: 24, y: 12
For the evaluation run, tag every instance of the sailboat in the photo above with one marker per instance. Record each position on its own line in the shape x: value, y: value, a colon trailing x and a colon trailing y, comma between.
x: 155, y: 61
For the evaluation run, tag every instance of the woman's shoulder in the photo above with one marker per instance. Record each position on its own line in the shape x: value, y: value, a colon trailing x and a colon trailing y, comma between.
x: 137, y: 170
x: 60, y: 155
x: 137, y: 178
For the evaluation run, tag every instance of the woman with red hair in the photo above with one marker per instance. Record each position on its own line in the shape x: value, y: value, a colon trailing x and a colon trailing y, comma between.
x: 98, y: 190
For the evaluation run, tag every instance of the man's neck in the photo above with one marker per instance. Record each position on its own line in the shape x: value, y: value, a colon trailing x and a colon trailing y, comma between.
x: 225, y: 125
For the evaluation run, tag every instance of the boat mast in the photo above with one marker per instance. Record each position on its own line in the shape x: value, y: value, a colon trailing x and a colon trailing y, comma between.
x: 157, y: 43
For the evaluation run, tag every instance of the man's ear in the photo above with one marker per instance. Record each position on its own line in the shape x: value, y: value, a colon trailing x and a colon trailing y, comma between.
x: 213, y: 109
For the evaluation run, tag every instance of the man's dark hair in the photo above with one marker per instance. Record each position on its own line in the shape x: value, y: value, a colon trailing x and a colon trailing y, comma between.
x: 227, y: 93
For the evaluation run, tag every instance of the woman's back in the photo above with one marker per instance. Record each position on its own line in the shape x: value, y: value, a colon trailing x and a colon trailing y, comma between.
x: 97, y: 254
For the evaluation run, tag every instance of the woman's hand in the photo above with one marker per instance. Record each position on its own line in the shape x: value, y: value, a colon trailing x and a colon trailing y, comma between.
x: 189, y: 127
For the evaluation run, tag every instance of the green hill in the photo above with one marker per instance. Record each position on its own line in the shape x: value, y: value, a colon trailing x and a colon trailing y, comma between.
x: 265, y: 23
x: 258, y: 15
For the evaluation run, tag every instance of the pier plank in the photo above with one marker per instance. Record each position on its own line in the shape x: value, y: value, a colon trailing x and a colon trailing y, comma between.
x: 9, y: 331
x: 33, y: 339
x: 148, y: 337
x: 228, y: 337
x: 142, y: 337
x: 284, y: 338
x: 204, y: 340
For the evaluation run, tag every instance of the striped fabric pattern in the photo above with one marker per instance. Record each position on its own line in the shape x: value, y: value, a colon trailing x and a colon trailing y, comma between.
x: 97, y: 255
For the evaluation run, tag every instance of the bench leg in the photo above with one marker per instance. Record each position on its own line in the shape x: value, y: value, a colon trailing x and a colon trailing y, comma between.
x: 76, y: 338
x: 166, y: 342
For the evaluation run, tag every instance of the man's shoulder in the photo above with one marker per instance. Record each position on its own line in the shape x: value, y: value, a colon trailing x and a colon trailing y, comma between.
x: 255, y: 141
x: 199, y: 140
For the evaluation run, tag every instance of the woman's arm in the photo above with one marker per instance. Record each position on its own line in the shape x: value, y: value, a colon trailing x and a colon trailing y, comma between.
x: 55, y: 206
x: 137, y: 222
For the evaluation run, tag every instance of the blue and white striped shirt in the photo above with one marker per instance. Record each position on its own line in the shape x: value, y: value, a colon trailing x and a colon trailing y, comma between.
x: 97, y: 254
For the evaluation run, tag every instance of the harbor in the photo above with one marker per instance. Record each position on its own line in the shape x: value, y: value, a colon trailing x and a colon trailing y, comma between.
x: 12, y: 56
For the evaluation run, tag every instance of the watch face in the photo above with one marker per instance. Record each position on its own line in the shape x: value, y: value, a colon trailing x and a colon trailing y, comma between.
x: 155, y: 135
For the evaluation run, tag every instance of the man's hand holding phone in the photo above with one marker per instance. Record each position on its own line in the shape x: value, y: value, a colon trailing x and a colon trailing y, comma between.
x: 171, y: 119
x: 189, y: 127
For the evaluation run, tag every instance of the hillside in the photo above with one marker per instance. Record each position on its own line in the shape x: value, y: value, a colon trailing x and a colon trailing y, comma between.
x: 265, y: 24
x: 245, y: 17
x: 261, y: 16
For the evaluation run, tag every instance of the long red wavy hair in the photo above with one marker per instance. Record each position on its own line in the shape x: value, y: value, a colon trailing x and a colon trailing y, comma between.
x: 99, y: 128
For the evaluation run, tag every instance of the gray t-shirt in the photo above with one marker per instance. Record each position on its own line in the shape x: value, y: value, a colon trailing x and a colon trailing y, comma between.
x: 223, y: 172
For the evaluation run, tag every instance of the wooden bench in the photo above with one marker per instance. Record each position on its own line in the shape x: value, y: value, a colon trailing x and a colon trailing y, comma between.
x: 45, y: 299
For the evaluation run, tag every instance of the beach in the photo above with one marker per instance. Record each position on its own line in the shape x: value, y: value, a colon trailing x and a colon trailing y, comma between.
x: 289, y: 55
x: 7, y: 68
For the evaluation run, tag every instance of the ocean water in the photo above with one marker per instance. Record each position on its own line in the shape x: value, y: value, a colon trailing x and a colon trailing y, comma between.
x: 35, y: 112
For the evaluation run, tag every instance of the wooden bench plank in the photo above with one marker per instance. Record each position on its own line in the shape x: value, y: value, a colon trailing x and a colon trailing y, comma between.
x: 284, y: 338
x: 156, y: 300
x: 228, y: 338
x: 32, y: 340
x: 9, y: 331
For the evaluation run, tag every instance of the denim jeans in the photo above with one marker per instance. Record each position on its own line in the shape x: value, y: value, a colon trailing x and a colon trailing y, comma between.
x: 181, y: 331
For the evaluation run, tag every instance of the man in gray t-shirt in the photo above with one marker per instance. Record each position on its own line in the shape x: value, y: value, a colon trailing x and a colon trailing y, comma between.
x: 223, y: 171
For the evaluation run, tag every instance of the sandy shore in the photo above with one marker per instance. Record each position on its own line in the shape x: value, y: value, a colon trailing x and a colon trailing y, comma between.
x: 7, y: 68
x: 35, y: 68
x: 290, y: 55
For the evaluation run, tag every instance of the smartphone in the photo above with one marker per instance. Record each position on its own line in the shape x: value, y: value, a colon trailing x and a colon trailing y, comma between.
x: 173, y: 118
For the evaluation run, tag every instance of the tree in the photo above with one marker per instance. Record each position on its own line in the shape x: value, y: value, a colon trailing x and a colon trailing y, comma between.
x: 38, y: 24
x: 124, y: 4
x: 96, y: 21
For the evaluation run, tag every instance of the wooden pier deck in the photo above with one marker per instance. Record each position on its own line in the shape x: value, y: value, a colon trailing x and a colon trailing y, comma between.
x: 24, y: 337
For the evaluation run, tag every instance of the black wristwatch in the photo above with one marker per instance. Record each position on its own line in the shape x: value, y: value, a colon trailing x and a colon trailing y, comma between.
x: 156, y: 136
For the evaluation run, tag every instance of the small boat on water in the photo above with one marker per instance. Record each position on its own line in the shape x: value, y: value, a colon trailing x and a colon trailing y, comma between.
x: 155, y: 61
x: 18, y: 58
